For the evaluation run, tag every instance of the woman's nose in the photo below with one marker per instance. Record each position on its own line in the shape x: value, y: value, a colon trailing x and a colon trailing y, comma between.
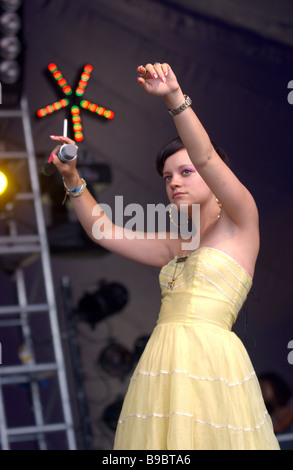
x: 176, y: 181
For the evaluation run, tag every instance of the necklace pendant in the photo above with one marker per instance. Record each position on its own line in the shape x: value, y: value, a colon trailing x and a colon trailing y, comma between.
x: 181, y: 258
x: 170, y: 285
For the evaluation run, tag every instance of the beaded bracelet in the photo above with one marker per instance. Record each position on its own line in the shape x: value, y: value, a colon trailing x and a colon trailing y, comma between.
x: 182, y: 107
x: 74, y: 192
x: 78, y: 191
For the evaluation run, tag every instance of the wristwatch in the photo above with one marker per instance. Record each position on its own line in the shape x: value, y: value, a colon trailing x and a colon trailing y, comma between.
x: 182, y: 107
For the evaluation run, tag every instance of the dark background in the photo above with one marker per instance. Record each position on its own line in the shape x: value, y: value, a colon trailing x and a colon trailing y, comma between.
x: 235, y: 60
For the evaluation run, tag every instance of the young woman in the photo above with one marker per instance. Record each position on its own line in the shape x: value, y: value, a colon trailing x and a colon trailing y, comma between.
x: 194, y: 386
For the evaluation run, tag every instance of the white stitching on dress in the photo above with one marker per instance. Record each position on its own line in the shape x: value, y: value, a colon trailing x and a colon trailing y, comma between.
x: 209, y: 248
x: 229, y: 269
x: 222, y: 276
x: 212, y: 268
x: 168, y: 415
x: 207, y: 279
x: 231, y: 384
x: 197, y: 253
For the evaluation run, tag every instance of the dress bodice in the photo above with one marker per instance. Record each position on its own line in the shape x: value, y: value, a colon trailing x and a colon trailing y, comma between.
x: 209, y: 286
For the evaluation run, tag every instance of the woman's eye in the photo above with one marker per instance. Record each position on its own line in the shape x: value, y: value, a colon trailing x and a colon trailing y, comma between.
x: 187, y: 171
x: 167, y: 178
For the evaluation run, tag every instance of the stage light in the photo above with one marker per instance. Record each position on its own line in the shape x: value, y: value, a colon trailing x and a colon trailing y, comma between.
x: 109, y: 299
x: 11, y: 51
x: 78, y: 136
x: 10, y: 72
x: 3, y: 182
x: 112, y: 412
x: 116, y: 360
x: 75, y: 110
x: 10, y: 24
x: 10, y: 47
x: 82, y: 84
x: 73, y: 99
x: 10, y: 5
x: 76, y: 123
x: 10, y: 184
x: 94, y: 108
x: 42, y: 112
x: 88, y: 69
x: 57, y: 75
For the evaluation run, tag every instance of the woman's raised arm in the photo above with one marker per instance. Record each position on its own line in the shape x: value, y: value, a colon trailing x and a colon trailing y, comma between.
x: 160, y: 80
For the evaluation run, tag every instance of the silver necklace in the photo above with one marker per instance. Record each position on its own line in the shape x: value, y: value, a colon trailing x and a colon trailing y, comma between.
x: 171, y: 284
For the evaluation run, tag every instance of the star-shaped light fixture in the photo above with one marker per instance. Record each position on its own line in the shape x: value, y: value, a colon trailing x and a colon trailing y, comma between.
x: 74, y: 100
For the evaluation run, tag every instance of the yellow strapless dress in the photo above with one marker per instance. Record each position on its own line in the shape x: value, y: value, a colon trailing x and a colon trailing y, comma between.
x: 194, y: 387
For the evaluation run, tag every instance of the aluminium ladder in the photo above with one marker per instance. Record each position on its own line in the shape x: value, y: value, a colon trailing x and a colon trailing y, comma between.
x: 40, y: 429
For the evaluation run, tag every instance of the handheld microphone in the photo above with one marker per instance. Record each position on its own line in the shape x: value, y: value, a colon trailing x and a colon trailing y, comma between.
x: 67, y: 153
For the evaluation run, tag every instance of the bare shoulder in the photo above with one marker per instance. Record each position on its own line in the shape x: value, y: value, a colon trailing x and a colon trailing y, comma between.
x: 239, y: 242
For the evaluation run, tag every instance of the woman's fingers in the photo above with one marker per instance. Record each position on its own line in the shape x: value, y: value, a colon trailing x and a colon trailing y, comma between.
x: 62, y: 139
x: 166, y: 68
x: 141, y: 70
x: 156, y: 71
x: 161, y: 70
x: 53, y: 154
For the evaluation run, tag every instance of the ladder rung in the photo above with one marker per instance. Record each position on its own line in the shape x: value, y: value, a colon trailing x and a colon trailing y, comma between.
x: 33, y: 369
x: 10, y: 113
x: 13, y: 155
x: 10, y: 323
x: 24, y: 196
x: 14, y: 309
x: 36, y: 429
x: 8, y: 250
x: 23, y: 379
x: 18, y: 239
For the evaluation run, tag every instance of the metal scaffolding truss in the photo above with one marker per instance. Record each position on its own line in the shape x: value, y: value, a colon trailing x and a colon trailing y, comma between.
x: 28, y: 373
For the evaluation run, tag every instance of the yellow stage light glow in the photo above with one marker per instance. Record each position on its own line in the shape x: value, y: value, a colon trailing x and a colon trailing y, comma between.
x: 3, y: 182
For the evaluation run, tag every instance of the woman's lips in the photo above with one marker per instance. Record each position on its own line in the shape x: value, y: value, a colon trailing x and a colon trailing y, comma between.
x: 176, y: 195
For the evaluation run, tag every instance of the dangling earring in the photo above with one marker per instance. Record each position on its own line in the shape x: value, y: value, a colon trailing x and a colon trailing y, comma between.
x: 220, y: 206
x: 173, y: 221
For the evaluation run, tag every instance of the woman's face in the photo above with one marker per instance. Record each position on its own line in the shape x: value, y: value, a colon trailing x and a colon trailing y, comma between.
x: 184, y: 185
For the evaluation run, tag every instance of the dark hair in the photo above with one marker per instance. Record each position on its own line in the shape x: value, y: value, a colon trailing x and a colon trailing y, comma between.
x: 174, y: 146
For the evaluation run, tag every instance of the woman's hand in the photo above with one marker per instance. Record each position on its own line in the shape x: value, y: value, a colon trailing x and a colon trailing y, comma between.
x: 157, y: 79
x: 67, y: 170
x: 160, y: 80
